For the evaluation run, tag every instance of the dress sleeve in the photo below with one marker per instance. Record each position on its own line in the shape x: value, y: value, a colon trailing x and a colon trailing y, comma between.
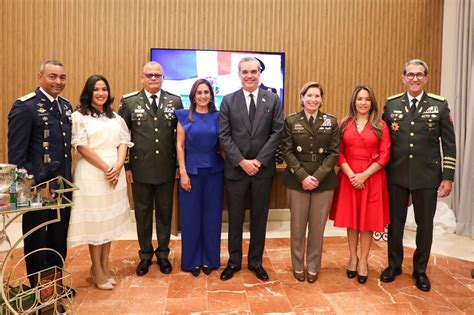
x: 79, y: 131
x: 124, y: 135
x: 384, y: 146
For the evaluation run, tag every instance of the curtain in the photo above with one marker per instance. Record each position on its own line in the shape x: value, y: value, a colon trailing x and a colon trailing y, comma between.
x: 463, y: 202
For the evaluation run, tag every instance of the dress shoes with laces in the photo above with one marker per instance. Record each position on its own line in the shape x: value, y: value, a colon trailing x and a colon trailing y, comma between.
x: 422, y: 281
x: 165, y: 265
x: 299, y: 276
x: 259, y: 272
x: 389, y: 274
x: 229, y: 272
x: 142, y: 268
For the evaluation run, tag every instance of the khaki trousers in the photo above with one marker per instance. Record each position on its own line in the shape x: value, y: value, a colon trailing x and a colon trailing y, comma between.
x: 308, y: 209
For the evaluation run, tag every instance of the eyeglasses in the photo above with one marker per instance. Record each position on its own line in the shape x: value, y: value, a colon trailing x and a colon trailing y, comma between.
x: 153, y: 75
x: 411, y: 75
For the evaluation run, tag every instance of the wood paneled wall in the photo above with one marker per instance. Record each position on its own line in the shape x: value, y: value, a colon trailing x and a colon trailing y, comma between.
x: 339, y: 43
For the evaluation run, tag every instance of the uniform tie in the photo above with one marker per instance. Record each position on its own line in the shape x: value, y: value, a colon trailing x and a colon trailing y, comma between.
x: 413, y: 106
x: 311, y: 122
x: 57, y: 107
x: 153, y: 103
x: 252, y: 109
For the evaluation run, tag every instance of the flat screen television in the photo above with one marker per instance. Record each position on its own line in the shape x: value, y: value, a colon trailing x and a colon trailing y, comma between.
x: 183, y: 66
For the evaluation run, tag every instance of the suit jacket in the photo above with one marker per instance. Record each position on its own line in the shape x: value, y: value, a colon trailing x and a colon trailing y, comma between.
x: 39, y: 136
x: 415, y: 155
x: 240, y: 140
x: 152, y: 159
x: 311, y: 151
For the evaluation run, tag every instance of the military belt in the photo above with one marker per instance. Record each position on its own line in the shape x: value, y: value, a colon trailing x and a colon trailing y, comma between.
x: 306, y: 157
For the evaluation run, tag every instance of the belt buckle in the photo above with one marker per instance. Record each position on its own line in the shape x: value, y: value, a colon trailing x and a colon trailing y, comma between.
x: 313, y: 157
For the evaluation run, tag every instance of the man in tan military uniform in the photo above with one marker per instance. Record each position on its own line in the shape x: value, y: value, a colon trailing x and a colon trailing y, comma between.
x: 417, y: 121
x: 151, y: 166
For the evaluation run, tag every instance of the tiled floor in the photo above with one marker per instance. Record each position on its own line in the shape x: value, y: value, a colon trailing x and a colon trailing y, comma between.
x: 181, y: 293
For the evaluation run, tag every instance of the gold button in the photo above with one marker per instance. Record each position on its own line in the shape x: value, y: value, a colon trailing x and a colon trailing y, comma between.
x: 411, y: 156
x: 64, y: 133
x: 157, y: 151
x: 411, y: 145
x: 156, y: 140
x: 412, y: 134
x: 412, y: 123
x: 155, y: 118
x: 156, y: 129
x: 65, y: 144
x: 65, y: 155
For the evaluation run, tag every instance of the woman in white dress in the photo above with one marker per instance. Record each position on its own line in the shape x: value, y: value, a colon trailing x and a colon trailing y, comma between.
x: 101, y: 210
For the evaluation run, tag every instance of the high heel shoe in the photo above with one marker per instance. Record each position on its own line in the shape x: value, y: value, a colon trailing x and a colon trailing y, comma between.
x: 362, y: 279
x: 112, y: 281
x: 103, y: 286
x: 352, y: 273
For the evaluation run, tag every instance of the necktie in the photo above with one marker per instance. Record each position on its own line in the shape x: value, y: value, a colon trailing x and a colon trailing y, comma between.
x: 56, y: 107
x: 413, y: 106
x: 252, y: 109
x: 311, y: 122
x: 153, y: 103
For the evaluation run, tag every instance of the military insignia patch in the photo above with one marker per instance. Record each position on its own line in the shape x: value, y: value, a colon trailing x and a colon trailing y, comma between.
x: 395, y: 126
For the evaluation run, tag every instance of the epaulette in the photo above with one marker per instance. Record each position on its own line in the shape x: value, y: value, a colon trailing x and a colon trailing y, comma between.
x: 172, y: 94
x: 330, y: 115
x: 437, y: 97
x: 27, y: 97
x: 292, y: 114
x: 65, y: 99
x: 130, y: 94
x: 395, y: 96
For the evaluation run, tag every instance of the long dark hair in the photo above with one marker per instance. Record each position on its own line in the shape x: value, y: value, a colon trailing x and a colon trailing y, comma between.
x: 374, y: 118
x: 192, y: 97
x: 85, y: 104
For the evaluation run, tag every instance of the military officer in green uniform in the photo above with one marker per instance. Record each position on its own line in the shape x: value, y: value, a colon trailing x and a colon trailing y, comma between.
x: 311, y: 150
x: 418, y: 121
x: 151, y: 167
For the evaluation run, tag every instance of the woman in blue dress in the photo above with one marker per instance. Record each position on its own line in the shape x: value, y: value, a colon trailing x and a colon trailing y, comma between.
x: 201, y: 172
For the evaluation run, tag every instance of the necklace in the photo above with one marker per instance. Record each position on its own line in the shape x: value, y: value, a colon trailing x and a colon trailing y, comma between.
x: 360, y: 126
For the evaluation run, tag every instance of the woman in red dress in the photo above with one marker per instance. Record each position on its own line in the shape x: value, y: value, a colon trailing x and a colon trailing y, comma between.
x: 361, y: 201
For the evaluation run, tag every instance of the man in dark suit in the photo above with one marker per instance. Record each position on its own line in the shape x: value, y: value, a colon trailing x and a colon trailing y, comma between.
x: 151, y: 165
x: 39, y: 140
x: 250, y: 130
x: 417, y: 121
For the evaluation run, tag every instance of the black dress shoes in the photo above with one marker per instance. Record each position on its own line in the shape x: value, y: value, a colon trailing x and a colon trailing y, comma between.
x: 351, y: 273
x: 142, y: 268
x: 389, y: 274
x: 422, y: 281
x: 312, y: 277
x: 165, y: 265
x: 259, y: 272
x: 362, y: 279
x: 196, y: 271
x: 299, y: 276
x: 229, y: 272
x: 206, y: 269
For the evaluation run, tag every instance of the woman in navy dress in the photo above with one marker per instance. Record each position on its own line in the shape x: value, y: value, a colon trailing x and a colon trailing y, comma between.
x: 201, y: 172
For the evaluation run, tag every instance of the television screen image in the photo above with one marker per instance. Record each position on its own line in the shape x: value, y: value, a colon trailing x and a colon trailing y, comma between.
x: 183, y: 66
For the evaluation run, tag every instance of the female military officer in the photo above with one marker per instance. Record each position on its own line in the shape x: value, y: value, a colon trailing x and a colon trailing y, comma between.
x: 310, y: 149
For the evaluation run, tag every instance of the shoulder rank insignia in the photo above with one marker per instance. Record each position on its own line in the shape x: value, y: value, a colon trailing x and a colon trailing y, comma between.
x: 64, y: 99
x: 436, y: 97
x: 395, y: 126
x: 130, y: 94
x: 27, y: 96
x: 394, y: 96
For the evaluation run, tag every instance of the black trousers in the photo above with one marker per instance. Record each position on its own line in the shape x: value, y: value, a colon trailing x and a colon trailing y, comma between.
x: 52, y: 236
x: 258, y: 191
x: 157, y: 198
x: 424, y: 204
